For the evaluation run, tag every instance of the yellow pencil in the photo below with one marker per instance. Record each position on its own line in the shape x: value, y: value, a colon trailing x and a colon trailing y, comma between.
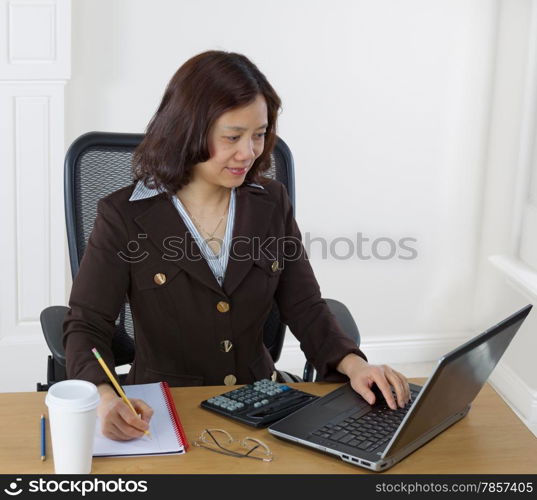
x: 114, y: 381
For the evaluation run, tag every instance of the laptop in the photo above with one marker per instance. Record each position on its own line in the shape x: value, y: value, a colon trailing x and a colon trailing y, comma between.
x: 375, y: 437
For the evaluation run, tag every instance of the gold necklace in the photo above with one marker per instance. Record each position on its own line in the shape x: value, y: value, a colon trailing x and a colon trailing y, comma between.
x: 210, y: 235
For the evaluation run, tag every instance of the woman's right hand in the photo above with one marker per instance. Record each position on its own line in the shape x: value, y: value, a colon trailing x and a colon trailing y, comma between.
x: 117, y: 420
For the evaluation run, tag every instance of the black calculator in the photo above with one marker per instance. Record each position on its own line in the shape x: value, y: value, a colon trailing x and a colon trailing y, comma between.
x: 259, y: 404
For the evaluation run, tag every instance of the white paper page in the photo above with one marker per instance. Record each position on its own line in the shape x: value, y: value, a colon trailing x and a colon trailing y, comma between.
x: 163, y: 438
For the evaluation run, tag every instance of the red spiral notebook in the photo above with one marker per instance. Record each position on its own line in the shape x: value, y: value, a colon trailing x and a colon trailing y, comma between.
x: 167, y: 434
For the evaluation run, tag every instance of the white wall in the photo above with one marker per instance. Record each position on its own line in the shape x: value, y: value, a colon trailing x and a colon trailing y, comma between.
x: 385, y: 107
x: 497, y: 293
x: 389, y: 108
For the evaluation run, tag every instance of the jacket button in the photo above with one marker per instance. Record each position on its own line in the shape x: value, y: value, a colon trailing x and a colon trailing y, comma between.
x: 275, y: 266
x: 223, y: 306
x: 274, y: 376
x: 230, y: 380
x: 159, y: 278
x: 226, y: 345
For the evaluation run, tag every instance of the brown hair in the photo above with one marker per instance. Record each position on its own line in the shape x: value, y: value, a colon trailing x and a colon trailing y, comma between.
x: 202, y: 89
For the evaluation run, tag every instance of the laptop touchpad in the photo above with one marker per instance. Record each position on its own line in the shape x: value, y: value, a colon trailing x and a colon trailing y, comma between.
x: 345, y: 400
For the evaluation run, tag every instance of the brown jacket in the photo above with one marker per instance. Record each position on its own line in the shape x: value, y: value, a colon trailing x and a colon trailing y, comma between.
x: 143, y: 250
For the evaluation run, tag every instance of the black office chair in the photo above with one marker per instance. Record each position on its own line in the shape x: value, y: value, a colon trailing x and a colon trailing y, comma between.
x: 98, y: 156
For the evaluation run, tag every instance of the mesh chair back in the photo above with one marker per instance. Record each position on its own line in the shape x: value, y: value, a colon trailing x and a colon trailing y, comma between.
x: 99, y: 163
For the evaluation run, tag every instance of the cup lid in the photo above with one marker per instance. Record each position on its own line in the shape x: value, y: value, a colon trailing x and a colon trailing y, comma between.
x: 73, y: 395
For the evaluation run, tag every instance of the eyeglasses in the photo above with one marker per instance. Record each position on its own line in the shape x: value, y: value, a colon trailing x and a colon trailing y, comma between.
x: 211, y: 439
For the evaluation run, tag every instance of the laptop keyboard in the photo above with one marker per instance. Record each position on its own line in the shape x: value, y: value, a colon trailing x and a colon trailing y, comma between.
x: 366, y: 432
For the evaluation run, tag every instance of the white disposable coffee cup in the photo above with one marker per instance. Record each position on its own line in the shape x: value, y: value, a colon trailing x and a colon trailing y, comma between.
x: 72, y: 408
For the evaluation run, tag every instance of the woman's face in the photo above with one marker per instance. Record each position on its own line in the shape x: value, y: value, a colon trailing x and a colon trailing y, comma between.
x: 236, y: 139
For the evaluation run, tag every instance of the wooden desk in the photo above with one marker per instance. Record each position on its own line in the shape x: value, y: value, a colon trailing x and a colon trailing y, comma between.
x: 489, y: 440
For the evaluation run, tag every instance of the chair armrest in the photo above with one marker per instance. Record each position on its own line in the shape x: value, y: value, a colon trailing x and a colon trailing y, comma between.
x: 347, y: 324
x: 52, y: 325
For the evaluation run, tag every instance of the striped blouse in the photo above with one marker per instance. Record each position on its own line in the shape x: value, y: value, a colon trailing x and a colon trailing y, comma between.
x: 217, y: 263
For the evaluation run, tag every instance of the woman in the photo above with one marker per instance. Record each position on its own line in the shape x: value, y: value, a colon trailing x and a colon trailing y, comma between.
x: 213, y: 244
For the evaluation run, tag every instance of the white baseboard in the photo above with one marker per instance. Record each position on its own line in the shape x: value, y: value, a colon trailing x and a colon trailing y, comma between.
x: 517, y: 394
x: 416, y: 349
x: 423, y: 353
x: 385, y: 350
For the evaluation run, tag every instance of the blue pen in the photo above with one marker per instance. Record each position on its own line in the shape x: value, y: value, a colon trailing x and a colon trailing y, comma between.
x: 43, y: 433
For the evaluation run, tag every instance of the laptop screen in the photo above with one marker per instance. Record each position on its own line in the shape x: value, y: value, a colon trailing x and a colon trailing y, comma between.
x: 456, y: 381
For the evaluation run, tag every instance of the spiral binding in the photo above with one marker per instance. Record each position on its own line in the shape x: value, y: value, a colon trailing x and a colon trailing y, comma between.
x: 179, y: 431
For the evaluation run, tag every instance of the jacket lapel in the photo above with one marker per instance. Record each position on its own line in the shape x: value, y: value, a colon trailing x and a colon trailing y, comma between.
x: 253, y: 212
x: 166, y: 229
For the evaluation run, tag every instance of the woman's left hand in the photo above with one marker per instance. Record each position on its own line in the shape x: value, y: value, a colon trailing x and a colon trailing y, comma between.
x: 362, y: 376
